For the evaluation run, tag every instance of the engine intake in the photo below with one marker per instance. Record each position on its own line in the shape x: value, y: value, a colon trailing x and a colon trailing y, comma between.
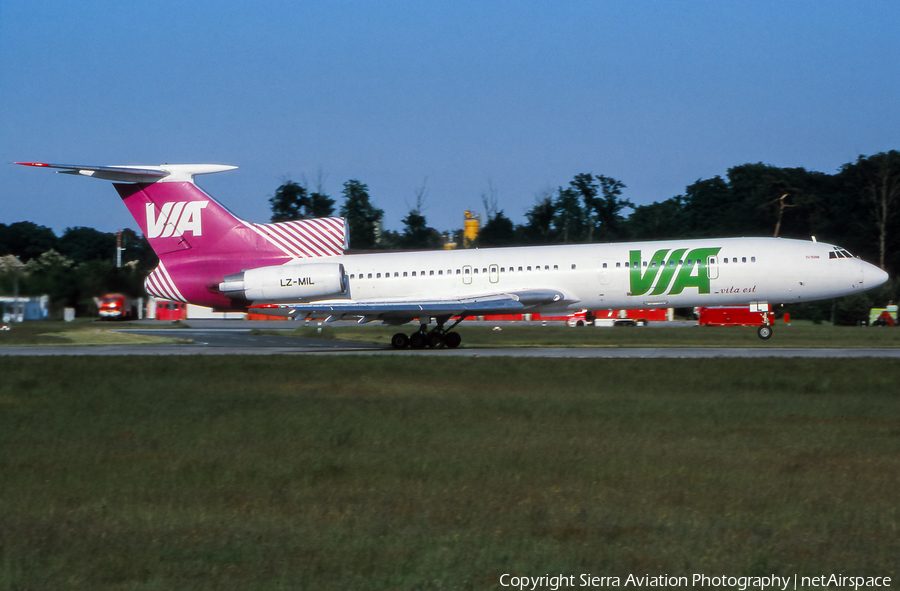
x: 286, y: 282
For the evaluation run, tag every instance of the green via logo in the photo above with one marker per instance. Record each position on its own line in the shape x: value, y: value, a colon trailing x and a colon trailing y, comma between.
x: 687, y: 270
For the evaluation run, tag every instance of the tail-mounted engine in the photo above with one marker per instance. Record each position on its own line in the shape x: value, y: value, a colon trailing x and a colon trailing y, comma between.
x: 286, y: 282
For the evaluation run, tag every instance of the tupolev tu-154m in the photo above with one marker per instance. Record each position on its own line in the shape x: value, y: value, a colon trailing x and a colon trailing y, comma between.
x: 298, y: 269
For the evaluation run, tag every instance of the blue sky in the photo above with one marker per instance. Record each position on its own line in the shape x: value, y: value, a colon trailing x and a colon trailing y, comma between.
x: 518, y: 95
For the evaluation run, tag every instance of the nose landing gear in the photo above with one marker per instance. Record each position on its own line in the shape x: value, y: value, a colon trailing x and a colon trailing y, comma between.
x: 765, y: 331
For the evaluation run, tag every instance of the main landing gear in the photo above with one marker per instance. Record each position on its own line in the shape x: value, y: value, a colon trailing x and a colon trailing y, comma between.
x: 435, y: 338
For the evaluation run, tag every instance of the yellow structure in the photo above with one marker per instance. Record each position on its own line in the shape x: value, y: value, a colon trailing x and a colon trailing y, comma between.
x: 470, y: 230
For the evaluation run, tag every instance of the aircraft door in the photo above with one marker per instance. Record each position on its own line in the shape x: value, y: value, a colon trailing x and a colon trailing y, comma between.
x: 467, y: 274
x: 605, y: 272
x: 494, y: 273
x: 712, y: 267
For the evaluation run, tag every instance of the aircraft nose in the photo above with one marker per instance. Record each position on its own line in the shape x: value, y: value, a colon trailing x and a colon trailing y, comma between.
x: 873, y: 276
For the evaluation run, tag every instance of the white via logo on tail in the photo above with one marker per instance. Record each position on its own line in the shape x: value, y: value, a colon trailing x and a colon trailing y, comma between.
x: 175, y: 219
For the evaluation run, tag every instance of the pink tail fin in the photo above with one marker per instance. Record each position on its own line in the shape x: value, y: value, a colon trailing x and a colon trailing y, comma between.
x: 198, y: 241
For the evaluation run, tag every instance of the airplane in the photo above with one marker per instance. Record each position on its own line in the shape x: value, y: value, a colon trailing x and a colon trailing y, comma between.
x: 298, y: 269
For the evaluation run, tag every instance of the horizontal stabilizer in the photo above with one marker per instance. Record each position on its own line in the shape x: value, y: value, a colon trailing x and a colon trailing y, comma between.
x: 136, y: 174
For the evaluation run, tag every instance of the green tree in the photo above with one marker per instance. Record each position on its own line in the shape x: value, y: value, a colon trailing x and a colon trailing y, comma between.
x: 498, y: 231
x: 320, y: 205
x: 294, y: 202
x: 658, y: 220
x: 417, y: 235
x: 607, y: 208
x: 875, y: 183
x: 569, y: 221
x: 539, y: 229
x: 26, y: 240
x: 87, y: 244
x: 363, y: 218
x: 289, y: 202
x: 51, y: 274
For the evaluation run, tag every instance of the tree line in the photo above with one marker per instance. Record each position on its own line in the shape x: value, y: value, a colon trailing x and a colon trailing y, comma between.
x: 856, y: 207
x: 74, y: 268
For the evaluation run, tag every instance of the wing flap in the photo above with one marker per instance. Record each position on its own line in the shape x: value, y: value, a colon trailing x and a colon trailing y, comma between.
x: 392, y: 311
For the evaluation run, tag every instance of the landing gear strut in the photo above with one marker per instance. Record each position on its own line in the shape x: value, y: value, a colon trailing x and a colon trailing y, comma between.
x: 435, y: 338
x: 765, y: 331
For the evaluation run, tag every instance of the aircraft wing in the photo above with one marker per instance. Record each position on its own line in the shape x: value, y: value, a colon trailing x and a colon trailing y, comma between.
x: 402, y: 311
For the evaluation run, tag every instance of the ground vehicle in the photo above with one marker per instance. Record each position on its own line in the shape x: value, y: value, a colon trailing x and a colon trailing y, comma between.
x: 115, y: 306
x: 636, y: 317
x: 883, y: 316
x: 730, y: 316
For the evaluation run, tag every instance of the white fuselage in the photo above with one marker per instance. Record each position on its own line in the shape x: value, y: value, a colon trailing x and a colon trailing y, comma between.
x: 672, y: 273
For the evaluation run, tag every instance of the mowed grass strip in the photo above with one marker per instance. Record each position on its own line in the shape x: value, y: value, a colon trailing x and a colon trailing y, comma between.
x: 80, y: 332
x: 424, y: 473
x: 524, y: 335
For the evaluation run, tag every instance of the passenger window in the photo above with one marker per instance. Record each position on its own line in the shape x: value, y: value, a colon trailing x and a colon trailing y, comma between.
x: 476, y: 271
x: 441, y: 272
x: 618, y: 265
x: 370, y: 276
x: 725, y: 260
x: 734, y: 260
x: 529, y: 269
x: 743, y: 259
x: 573, y: 266
x: 503, y: 269
x: 430, y: 273
x: 546, y: 267
x: 378, y: 276
x: 556, y: 267
x: 752, y: 259
x: 520, y: 269
x: 604, y: 265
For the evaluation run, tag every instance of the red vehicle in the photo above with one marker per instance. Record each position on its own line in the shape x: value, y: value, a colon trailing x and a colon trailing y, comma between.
x: 115, y: 306
x: 731, y: 316
x: 167, y: 310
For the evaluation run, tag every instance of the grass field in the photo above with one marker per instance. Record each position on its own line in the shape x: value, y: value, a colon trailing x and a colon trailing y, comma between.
x: 423, y: 473
x: 79, y: 332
